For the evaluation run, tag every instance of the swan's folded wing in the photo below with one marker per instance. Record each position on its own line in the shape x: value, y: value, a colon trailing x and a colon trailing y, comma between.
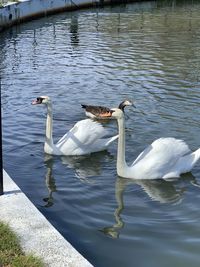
x: 168, y: 147
x: 172, y: 146
x: 142, y: 155
x: 88, y: 131
x: 85, y: 132
x: 161, y: 156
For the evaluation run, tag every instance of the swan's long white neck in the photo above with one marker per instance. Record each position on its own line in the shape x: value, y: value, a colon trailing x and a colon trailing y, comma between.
x: 49, y: 129
x: 121, y: 159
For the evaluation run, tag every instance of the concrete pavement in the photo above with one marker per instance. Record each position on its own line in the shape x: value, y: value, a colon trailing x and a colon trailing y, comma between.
x: 36, y: 234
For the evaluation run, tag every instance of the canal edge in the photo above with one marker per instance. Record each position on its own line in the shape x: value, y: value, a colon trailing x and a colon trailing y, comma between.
x: 36, y: 233
x: 14, y: 13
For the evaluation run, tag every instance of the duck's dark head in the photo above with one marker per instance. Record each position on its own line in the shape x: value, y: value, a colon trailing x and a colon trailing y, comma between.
x: 125, y: 103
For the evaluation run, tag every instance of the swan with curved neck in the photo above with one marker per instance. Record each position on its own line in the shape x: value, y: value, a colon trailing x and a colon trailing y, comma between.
x: 164, y: 158
x: 85, y: 137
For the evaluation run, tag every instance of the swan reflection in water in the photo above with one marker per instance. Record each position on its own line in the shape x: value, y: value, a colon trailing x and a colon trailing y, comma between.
x: 49, y: 180
x: 87, y: 166
x: 84, y: 167
x: 162, y: 191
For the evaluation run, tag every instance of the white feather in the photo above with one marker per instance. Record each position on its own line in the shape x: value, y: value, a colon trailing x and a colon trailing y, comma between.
x: 158, y: 159
x: 85, y: 137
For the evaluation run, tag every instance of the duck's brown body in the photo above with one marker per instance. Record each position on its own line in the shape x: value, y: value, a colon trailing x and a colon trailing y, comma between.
x: 96, y: 111
x: 101, y: 112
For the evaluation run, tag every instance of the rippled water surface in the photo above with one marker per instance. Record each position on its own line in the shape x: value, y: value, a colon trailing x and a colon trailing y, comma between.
x: 149, y: 52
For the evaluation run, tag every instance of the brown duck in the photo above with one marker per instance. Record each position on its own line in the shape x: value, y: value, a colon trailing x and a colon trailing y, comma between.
x: 101, y: 112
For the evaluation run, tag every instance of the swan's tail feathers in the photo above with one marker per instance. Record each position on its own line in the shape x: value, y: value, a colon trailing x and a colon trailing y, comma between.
x: 110, y: 140
x: 186, y: 163
x: 196, y: 157
x: 102, y: 144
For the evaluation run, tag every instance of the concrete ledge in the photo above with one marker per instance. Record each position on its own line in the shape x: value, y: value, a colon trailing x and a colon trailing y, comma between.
x: 37, y: 235
x: 23, y: 10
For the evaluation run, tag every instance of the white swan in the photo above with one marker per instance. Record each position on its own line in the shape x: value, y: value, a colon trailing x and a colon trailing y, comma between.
x: 164, y: 158
x: 85, y: 137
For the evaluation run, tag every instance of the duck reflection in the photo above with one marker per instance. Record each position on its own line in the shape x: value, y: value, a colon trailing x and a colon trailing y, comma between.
x: 162, y: 191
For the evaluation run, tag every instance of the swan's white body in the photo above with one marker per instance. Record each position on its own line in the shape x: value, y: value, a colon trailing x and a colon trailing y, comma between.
x: 164, y: 158
x: 85, y: 137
